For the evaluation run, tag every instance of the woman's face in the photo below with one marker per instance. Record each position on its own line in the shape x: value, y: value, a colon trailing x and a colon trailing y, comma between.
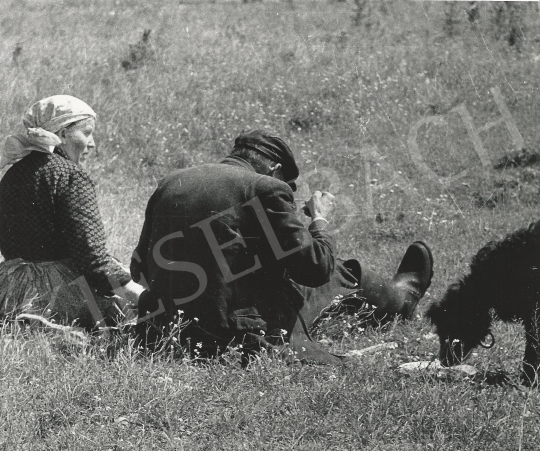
x: 78, y: 140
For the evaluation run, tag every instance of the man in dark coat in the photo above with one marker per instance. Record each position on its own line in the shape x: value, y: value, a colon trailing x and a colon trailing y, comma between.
x: 222, y: 243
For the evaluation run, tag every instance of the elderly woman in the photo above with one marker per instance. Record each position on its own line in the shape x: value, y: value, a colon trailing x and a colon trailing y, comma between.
x: 51, y: 233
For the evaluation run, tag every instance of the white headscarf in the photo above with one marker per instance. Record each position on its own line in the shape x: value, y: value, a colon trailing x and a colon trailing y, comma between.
x: 42, y: 121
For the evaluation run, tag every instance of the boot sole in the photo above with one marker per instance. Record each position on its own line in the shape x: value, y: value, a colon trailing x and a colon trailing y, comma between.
x: 430, y: 255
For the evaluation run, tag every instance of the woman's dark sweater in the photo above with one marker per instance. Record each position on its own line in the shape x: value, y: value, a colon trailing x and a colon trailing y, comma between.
x: 49, y: 212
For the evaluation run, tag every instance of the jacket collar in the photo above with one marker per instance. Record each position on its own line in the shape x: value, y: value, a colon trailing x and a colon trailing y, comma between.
x: 60, y: 152
x: 239, y: 162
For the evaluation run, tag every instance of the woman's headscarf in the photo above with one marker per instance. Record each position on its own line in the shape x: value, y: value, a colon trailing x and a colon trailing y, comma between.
x: 42, y: 121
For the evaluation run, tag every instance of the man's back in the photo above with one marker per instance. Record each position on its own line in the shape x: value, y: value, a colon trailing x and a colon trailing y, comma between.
x: 217, y: 243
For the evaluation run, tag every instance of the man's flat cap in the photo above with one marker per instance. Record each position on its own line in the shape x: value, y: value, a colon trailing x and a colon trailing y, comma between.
x: 274, y: 148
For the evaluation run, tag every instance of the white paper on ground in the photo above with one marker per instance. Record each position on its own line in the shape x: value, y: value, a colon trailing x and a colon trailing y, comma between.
x: 435, y: 365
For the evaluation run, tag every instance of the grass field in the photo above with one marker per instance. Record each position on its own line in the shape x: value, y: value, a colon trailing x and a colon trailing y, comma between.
x: 345, y: 87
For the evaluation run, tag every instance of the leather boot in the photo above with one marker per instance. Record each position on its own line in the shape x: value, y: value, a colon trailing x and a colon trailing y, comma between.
x: 397, y: 296
x: 400, y: 295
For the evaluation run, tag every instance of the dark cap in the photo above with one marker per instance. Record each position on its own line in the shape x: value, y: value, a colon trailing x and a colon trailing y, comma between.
x: 274, y: 148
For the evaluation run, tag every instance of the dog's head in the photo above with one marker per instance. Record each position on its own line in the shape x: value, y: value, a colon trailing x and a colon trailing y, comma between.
x: 460, y: 322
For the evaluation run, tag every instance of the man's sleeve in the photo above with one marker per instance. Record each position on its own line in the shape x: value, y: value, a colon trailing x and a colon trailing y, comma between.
x: 312, y: 263
x: 138, y: 266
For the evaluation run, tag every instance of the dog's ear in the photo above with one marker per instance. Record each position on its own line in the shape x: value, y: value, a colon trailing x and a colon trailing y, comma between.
x: 442, y: 311
x: 433, y: 312
x: 436, y: 314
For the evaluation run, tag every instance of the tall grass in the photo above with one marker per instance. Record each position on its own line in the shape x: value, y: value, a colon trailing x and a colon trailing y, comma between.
x: 330, y: 85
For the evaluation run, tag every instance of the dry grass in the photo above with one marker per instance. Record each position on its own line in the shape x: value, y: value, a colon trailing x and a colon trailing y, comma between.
x: 208, y: 71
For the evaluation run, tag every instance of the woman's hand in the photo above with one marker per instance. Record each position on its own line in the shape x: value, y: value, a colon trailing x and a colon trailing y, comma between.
x: 129, y: 301
x: 132, y: 291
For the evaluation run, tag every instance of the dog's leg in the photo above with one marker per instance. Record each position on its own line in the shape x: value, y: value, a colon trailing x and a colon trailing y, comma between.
x: 531, y: 361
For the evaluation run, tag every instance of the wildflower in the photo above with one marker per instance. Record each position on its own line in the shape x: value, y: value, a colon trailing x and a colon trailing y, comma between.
x: 196, y: 319
x: 199, y: 345
x: 283, y: 332
x: 262, y: 332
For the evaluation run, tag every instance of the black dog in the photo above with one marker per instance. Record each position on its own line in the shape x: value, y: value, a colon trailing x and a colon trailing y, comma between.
x: 504, y: 277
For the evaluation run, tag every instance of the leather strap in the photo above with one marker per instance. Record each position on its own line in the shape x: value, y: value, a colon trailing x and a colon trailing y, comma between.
x: 306, y: 330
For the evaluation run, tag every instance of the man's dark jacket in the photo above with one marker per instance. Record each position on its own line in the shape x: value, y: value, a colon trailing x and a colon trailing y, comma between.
x: 234, y: 284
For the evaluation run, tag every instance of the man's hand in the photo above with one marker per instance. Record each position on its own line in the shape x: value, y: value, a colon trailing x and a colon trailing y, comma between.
x: 320, y: 206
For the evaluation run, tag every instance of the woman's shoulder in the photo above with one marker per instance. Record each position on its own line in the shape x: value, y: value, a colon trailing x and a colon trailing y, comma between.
x: 40, y: 164
x: 58, y: 160
x: 45, y: 169
x: 61, y: 167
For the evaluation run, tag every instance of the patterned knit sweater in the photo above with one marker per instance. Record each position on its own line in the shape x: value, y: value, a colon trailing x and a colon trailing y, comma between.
x: 49, y: 212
